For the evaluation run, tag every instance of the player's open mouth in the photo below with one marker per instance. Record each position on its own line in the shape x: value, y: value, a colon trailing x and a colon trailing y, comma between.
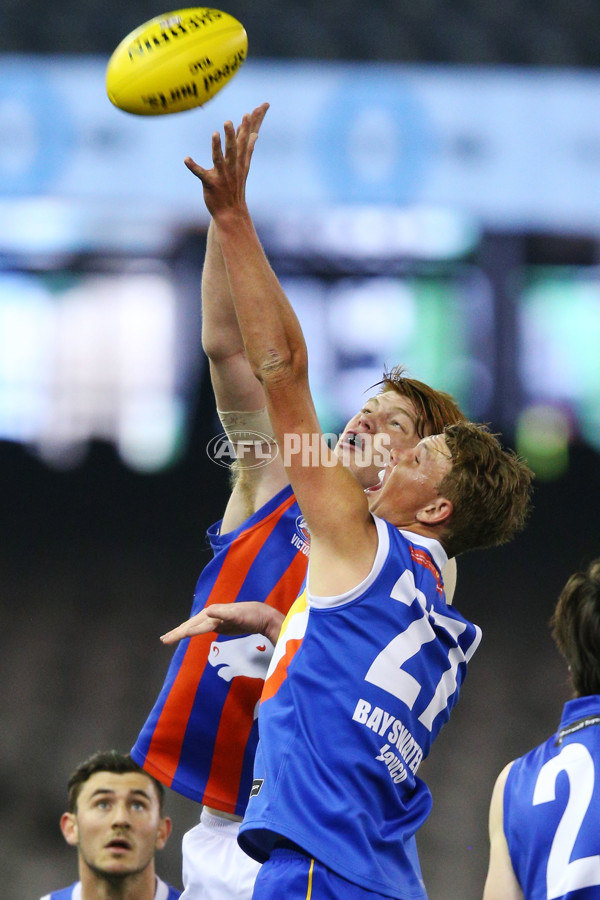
x: 353, y: 439
x: 377, y: 487
x: 118, y: 844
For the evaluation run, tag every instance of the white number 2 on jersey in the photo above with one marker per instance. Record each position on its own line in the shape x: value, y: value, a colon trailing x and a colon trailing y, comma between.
x: 386, y: 669
x: 562, y: 875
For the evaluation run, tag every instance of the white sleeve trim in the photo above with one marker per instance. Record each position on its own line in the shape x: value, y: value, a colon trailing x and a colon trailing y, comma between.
x: 383, y: 548
x: 162, y: 890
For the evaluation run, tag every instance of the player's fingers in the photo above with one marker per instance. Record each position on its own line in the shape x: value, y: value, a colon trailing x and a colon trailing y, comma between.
x: 258, y: 116
x: 251, y: 142
x: 223, y: 611
x: 171, y: 637
x: 231, y: 141
x: 198, y: 624
x: 242, y: 135
x: 198, y: 171
x: 217, y: 150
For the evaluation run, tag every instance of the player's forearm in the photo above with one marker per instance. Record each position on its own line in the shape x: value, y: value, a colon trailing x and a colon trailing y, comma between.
x: 272, y: 335
x: 221, y: 335
x: 234, y: 384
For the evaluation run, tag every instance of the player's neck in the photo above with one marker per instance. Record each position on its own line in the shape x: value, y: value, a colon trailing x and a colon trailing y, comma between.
x: 139, y: 886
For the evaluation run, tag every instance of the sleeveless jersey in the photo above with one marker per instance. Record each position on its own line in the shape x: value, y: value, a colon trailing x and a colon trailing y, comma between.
x: 551, y: 803
x: 73, y: 892
x: 357, y: 690
x: 201, y: 736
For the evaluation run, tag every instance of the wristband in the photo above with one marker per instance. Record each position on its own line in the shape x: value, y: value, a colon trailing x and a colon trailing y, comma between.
x: 242, y: 425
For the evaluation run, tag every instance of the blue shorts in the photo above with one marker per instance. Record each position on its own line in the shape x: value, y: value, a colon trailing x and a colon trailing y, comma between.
x: 295, y: 875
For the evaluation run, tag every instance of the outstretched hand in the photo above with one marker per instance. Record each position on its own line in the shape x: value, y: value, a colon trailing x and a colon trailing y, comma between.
x: 225, y: 184
x: 248, y: 617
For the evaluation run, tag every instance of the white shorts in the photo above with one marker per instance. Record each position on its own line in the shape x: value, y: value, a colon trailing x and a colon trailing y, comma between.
x: 214, y: 866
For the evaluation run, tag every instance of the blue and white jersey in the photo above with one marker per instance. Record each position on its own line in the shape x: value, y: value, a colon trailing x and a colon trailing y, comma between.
x: 551, y: 804
x: 358, y: 688
x: 73, y: 892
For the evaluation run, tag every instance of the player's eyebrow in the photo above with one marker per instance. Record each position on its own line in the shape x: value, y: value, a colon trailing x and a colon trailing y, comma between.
x: 103, y: 792
x: 399, y: 410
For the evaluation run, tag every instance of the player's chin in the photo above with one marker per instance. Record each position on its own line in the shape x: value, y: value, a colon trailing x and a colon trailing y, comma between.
x: 367, y: 476
x: 351, y: 459
x: 121, y: 868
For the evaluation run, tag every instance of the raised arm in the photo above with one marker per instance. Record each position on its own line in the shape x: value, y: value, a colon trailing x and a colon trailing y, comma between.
x: 234, y: 384
x: 501, y: 882
x: 239, y: 396
x: 275, y: 348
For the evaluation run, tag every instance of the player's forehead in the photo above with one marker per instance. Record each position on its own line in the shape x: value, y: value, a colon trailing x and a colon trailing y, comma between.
x: 118, y: 784
x: 392, y: 402
x: 435, y: 446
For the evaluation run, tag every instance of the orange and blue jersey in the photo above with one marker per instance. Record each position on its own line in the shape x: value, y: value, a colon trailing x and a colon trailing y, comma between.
x: 201, y: 736
x: 358, y: 688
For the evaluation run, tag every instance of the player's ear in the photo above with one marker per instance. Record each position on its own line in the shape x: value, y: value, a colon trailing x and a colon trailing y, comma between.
x: 68, y: 826
x: 164, y: 830
x: 435, y: 513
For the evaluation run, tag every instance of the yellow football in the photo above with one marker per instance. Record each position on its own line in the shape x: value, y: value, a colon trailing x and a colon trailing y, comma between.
x: 176, y: 61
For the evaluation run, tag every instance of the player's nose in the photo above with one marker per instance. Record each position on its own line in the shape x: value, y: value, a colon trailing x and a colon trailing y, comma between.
x: 366, y: 421
x: 121, y: 816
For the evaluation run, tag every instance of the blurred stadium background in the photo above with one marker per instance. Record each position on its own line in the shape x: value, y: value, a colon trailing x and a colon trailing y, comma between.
x: 427, y: 185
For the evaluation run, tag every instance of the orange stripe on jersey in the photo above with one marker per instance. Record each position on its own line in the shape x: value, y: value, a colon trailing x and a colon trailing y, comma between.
x: 175, y: 714
x: 230, y: 743
x: 160, y: 760
x: 241, y: 556
x: 287, y: 647
x: 423, y: 559
x: 274, y: 681
x: 287, y: 588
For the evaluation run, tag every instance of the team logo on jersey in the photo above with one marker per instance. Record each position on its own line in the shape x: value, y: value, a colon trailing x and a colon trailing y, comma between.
x: 248, y: 656
x: 301, y: 537
x: 256, y: 787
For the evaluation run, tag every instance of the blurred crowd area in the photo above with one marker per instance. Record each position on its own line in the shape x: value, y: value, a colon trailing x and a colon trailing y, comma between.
x: 516, y: 32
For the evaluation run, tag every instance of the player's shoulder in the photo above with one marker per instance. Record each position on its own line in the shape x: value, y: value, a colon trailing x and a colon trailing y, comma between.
x: 166, y: 891
x: 503, y: 777
x: 72, y: 892
x: 426, y: 554
x: 173, y: 893
x: 282, y: 505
